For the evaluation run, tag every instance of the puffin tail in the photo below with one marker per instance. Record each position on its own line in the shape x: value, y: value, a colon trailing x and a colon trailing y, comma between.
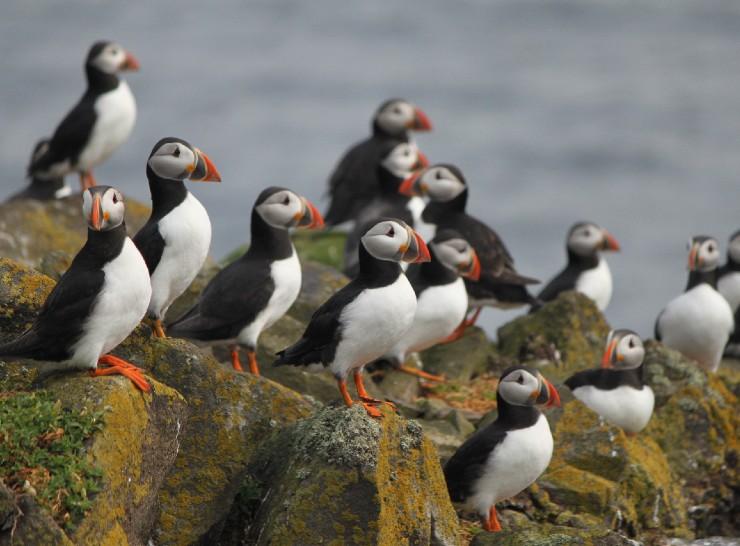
x: 300, y: 353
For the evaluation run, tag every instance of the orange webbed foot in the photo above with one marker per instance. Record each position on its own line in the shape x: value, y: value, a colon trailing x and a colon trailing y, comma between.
x: 118, y: 366
x: 422, y: 374
x: 372, y: 411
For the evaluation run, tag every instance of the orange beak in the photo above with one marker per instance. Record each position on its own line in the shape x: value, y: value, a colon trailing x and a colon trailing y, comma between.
x: 204, y: 169
x: 420, y: 122
x: 694, y: 259
x: 606, y: 359
x: 407, y: 187
x: 472, y: 271
x: 547, y: 394
x: 96, y: 214
x: 311, y: 217
x: 422, y: 161
x: 130, y: 63
x: 416, y: 250
x: 610, y: 243
x: 553, y: 395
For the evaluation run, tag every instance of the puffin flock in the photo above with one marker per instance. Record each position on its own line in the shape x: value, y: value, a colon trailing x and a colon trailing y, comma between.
x: 421, y: 268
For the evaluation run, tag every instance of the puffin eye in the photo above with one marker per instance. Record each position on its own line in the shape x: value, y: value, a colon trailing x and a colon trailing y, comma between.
x: 632, y: 343
x: 114, y: 51
x: 397, y: 110
x: 286, y: 201
x: 115, y: 198
x: 710, y: 248
x: 587, y: 233
x: 438, y: 176
x: 391, y: 232
x: 176, y: 153
x: 520, y: 379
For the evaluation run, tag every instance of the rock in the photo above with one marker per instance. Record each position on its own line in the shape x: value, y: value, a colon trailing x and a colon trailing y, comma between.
x: 22, y: 521
x: 447, y: 433
x: 342, y: 477
x: 22, y: 292
x: 463, y: 359
x: 538, y: 534
x: 324, y: 247
x: 667, y: 371
x: 565, y: 335
x: 319, y: 284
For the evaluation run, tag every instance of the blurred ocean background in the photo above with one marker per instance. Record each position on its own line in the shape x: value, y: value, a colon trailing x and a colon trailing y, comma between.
x: 624, y: 113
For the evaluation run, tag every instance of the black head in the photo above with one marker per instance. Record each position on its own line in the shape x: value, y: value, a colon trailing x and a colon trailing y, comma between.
x: 176, y: 159
x: 110, y: 58
x: 283, y: 209
x: 396, y: 116
x: 588, y: 239
x: 623, y: 350
x: 704, y: 253
x: 523, y: 386
x: 103, y: 208
x: 454, y: 252
x: 395, y: 241
x: 443, y: 183
x: 398, y: 161
x: 733, y: 248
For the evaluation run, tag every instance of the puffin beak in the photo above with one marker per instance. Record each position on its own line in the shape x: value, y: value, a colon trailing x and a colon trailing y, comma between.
x: 472, y: 269
x: 420, y: 122
x: 694, y: 258
x: 96, y: 214
x: 548, y: 394
x: 310, y: 218
x: 609, y: 242
x: 607, y: 360
x: 415, y: 251
x: 411, y: 186
x: 204, y: 170
x: 129, y: 63
x: 422, y: 160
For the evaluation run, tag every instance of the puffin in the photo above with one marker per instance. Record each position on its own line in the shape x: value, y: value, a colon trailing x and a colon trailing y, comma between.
x: 698, y: 323
x: 97, y: 303
x: 508, y: 455
x: 354, y: 180
x: 42, y: 189
x: 363, y: 320
x: 587, y: 271
x: 617, y: 391
x: 257, y: 289
x: 441, y: 299
x: 98, y: 124
x: 398, y: 161
x: 176, y: 237
x: 728, y: 284
x: 499, y: 285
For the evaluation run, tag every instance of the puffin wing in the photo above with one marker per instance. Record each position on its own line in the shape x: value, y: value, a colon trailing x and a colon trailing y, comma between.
x: 563, y: 281
x: 150, y: 243
x: 469, y: 461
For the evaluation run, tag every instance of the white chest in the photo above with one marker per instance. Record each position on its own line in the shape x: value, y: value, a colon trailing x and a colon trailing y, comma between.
x: 116, y: 115
x: 513, y: 465
x: 186, y: 231
x: 729, y: 287
x: 416, y: 206
x: 373, y: 323
x: 119, y: 308
x: 626, y: 407
x: 596, y: 283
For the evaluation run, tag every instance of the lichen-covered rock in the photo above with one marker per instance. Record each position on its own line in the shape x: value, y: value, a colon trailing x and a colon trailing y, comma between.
x: 537, y: 534
x: 22, y: 292
x: 565, y: 335
x: 341, y: 477
x: 23, y: 521
x: 463, y: 359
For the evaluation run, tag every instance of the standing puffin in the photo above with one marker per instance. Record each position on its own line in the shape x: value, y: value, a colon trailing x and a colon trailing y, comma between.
x: 587, y: 271
x: 728, y: 284
x: 398, y: 161
x: 354, y: 180
x: 699, y: 322
x: 508, y: 455
x: 441, y: 299
x: 499, y: 284
x: 42, y: 189
x: 97, y: 303
x: 253, y: 292
x: 367, y: 317
x: 98, y: 124
x: 175, y: 239
x: 617, y: 391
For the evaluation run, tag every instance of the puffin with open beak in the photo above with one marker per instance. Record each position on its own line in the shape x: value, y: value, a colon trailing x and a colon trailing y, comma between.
x: 699, y: 322
x: 366, y: 318
x: 441, y: 298
x: 256, y: 290
x: 176, y: 238
x: 617, y: 391
x: 99, y: 123
x: 354, y: 182
x: 97, y: 303
x: 508, y: 455
x: 587, y: 271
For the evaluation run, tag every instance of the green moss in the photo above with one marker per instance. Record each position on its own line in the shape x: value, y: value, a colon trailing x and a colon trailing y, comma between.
x: 43, y: 444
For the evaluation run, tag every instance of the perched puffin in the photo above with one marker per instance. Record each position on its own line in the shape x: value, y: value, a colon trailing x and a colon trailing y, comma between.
x: 441, y: 299
x: 699, y: 322
x: 367, y: 317
x: 42, y: 189
x: 354, y: 180
x: 617, y: 391
x: 587, y: 271
x: 499, y: 284
x: 176, y: 238
x: 398, y: 161
x: 98, y: 124
x: 97, y: 303
x: 728, y: 284
x: 256, y: 290
x: 508, y: 455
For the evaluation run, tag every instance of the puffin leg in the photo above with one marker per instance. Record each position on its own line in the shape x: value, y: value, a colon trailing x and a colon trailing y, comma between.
x: 237, y: 365
x: 253, y: 367
x: 421, y: 373
x: 118, y: 366
x: 87, y: 180
x: 363, y: 394
x: 158, y: 329
x: 491, y: 523
x: 464, y: 325
x: 342, y: 384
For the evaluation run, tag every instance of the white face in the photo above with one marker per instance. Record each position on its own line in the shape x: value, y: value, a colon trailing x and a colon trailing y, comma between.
x: 402, y: 160
x: 111, y: 59
x: 282, y: 209
x: 173, y: 160
x: 456, y: 254
x: 110, y: 208
x: 624, y: 350
x: 387, y: 240
x: 396, y: 117
x: 586, y: 239
x: 704, y: 255
x: 440, y: 184
x: 734, y: 249
x: 519, y: 388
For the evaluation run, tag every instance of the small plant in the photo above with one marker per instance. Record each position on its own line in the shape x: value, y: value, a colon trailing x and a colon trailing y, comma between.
x: 42, y: 452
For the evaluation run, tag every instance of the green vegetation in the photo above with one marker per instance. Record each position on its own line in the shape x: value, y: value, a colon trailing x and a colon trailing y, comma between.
x: 325, y: 247
x: 42, y: 450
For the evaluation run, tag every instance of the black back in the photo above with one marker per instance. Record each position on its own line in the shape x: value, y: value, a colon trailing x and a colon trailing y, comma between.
x: 60, y: 323
x: 431, y: 273
x: 607, y: 379
x: 568, y: 277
